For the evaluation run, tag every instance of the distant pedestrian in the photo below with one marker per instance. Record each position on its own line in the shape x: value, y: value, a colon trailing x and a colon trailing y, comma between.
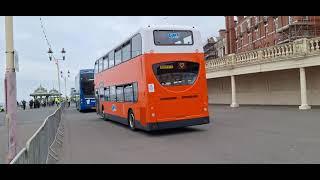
x: 68, y: 101
x: 36, y: 103
x: 24, y: 104
x: 31, y: 104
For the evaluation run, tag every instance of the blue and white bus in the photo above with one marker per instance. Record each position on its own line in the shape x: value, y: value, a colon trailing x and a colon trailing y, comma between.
x: 85, y: 98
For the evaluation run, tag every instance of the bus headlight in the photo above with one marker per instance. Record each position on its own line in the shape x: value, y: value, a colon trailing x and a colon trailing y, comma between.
x: 153, y: 114
x: 205, y: 109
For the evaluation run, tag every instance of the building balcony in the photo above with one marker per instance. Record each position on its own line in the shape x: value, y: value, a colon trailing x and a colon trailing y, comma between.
x: 294, y: 23
x: 283, y: 56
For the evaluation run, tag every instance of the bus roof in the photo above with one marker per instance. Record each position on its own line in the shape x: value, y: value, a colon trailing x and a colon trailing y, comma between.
x: 168, y: 27
x: 86, y: 71
x: 144, y: 29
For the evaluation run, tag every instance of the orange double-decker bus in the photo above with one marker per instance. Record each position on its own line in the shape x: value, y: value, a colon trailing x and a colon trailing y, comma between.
x: 154, y: 80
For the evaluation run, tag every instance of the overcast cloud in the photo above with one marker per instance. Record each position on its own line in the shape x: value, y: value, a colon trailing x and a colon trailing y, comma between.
x: 84, y: 39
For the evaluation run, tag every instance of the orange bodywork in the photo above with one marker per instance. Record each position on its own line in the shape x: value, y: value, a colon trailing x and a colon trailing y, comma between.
x: 167, y: 103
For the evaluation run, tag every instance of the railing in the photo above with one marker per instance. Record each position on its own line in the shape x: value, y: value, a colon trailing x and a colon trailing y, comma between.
x: 38, y: 148
x: 298, y: 48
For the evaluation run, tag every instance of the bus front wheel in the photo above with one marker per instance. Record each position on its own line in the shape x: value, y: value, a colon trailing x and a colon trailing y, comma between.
x: 131, y: 119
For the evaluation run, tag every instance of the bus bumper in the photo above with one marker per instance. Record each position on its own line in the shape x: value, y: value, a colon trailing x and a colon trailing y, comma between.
x: 177, y: 124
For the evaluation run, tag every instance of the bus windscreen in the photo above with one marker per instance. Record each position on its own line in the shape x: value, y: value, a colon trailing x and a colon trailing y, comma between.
x: 87, y: 85
x: 176, y: 73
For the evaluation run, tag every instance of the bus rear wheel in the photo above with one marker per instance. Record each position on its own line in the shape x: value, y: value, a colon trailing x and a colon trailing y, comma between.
x: 131, y: 121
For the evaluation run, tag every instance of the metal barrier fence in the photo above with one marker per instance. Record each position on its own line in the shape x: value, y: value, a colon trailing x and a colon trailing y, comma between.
x: 38, y: 147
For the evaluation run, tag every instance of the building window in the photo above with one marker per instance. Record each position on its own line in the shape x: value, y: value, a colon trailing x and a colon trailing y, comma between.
x: 265, y: 19
x: 290, y: 19
x: 257, y: 34
x: 266, y: 29
x: 305, y: 18
x: 276, y: 23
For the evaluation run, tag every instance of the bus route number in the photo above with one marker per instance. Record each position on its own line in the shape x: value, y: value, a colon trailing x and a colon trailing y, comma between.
x: 173, y: 35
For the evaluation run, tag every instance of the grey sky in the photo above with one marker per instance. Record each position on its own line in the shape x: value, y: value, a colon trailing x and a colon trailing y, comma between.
x: 84, y: 37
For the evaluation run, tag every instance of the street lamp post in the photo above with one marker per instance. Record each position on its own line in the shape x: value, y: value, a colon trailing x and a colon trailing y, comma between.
x: 65, y: 81
x: 51, y: 57
x: 10, y: 91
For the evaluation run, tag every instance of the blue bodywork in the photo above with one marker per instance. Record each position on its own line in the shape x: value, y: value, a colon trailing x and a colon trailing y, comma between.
x: 84, y: 101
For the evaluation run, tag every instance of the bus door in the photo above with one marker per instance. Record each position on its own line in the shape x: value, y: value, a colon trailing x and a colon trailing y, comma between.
x: 100, y: 97
x: 97, y: 101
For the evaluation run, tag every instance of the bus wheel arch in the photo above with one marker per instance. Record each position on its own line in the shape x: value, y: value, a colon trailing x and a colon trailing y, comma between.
x: 131, y: 119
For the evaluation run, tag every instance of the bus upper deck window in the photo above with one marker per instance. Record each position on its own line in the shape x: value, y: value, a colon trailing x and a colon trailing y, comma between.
x: 173, y: 37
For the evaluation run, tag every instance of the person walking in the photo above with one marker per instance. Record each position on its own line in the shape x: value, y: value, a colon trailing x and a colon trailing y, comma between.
x: 69, y: 102
x: 24, y: 104
x: 58, y: 101
x: 36, y: 103
x: 31, y: 103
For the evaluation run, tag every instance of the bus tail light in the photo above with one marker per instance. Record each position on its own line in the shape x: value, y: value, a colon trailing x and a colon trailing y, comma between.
x: 205, y: 109
x: 153, y: 114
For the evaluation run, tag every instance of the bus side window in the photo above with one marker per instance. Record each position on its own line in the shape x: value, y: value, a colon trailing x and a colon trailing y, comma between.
x: 117, y: 56
x: 111, y: 59
x: 106, y: 62
x: 101, y: 65
x: 98, y: 70
x: 135, y: 91
x: 119, y: 93
x: 101, y: 92
x: 128, y: 93
x: 97, y: 94
x: 96, y: 67
x: 112, y: 93
x: 126, y: 54
x: 136, y: 46
x: 106, y: 94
